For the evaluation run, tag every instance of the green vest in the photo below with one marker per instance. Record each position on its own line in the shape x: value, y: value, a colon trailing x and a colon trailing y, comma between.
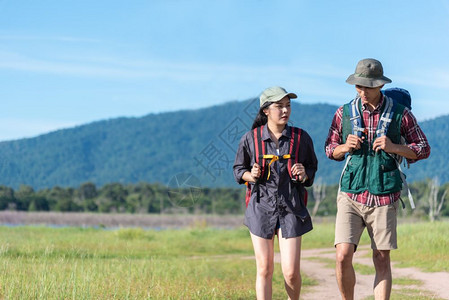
x: 368, y: 170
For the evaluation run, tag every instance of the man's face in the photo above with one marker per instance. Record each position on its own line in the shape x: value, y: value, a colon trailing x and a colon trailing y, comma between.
x: 368, y: 94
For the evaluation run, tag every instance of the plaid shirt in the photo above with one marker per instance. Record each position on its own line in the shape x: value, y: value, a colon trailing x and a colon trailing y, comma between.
x: 410, y: 130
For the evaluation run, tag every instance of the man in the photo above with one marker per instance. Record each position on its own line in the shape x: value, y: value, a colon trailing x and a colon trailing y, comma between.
x: 370, y: 185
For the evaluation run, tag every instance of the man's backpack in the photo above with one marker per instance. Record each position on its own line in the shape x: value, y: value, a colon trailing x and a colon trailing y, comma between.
x: 265, y: 160
x: 392, y: 95
x: 401, y: 96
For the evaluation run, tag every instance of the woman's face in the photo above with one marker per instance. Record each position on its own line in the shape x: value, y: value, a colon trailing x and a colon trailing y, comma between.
x: 278, y: 113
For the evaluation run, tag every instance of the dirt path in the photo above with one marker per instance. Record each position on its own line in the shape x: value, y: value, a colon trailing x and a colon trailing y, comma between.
x: 318, y: 264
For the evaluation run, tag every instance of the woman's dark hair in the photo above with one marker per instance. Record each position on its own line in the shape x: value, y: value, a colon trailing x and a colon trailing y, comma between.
x: 261, y: 118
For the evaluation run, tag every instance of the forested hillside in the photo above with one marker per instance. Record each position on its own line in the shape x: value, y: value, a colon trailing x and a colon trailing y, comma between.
x: 159, y: 148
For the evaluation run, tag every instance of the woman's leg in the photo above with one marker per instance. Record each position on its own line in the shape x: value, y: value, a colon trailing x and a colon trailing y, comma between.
x: 264, y: 252
x: 290, y: 261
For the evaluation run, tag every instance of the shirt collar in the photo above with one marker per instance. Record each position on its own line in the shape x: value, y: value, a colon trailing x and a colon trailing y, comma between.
x: 287, y: 132
x: 379, y: 105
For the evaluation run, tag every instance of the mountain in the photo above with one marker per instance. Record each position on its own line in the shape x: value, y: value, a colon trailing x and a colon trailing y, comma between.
x: 182, y: 148
x: 437, y: 132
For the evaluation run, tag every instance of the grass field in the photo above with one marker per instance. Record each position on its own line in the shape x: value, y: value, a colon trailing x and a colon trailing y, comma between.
x: 194, y: 263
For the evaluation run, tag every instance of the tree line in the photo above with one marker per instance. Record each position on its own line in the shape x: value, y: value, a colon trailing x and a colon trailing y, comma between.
x: 154, y: 198
x: 123, y: 198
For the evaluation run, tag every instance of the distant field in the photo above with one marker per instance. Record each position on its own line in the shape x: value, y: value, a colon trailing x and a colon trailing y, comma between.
x: 119, y: 220
x: 197, y: 262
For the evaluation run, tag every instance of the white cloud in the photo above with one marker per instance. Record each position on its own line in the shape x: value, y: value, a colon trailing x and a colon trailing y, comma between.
x: 14, y: 128
x: 314, y: 82
x: 427, y: 78
x: 120, y: 68
x: 17, y: 62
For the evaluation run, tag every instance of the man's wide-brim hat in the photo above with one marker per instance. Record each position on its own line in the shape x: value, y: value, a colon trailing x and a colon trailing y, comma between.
x: 274, y: 94
x: 369, y: 73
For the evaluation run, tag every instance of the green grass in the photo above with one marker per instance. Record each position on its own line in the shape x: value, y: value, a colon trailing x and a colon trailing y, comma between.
x: 364, y: 269
x: 119, y: 278
x: 76, y: 263
x: 195, y: 263
x: 407, y: 294
x: 407, y: 281
x: 423, y: 245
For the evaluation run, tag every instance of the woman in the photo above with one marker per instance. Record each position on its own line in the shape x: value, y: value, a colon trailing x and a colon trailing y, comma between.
x: 277, y: 194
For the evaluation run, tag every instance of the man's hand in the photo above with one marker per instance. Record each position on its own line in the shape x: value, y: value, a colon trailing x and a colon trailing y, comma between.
x: 384, y: 143
x: 353, y: 142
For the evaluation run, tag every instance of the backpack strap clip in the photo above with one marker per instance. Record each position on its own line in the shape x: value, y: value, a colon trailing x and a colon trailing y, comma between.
x: 262, y: 158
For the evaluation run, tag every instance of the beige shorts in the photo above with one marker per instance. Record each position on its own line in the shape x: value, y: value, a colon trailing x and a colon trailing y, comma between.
x: 353, y: 217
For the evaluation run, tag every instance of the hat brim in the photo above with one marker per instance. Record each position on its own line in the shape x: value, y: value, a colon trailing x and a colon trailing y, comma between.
x: 368, y: 82
x: 281, y: 96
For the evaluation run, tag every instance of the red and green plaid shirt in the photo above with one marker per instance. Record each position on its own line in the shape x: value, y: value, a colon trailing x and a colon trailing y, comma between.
x: 410, y: 130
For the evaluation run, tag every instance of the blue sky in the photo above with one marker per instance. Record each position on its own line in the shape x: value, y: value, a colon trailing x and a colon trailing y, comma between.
x: 66, y: 63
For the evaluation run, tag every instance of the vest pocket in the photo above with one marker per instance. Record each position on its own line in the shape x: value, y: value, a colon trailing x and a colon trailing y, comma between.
x: 389, y: 177
x: 352, y: 177
x: 390, y: 181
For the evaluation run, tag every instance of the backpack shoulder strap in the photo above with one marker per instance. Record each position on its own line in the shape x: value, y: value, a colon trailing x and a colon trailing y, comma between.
x: 385, y: 118
x: 295, y: 139
x: 356, y: 119
x: 260, y: 148
x: 382, y: 129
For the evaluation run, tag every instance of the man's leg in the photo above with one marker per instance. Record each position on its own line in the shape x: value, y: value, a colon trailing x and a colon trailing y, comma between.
x: 383, y: 280
x: 264, y: 252
x: 344, y: 270
x: 381, y: 225
x: 290, y: 261
x: 349, y: 227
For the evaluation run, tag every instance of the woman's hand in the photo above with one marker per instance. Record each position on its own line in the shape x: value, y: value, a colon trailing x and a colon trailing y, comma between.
x: 253, y: 175
x: 256, y: 171
x: 299, y: 170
